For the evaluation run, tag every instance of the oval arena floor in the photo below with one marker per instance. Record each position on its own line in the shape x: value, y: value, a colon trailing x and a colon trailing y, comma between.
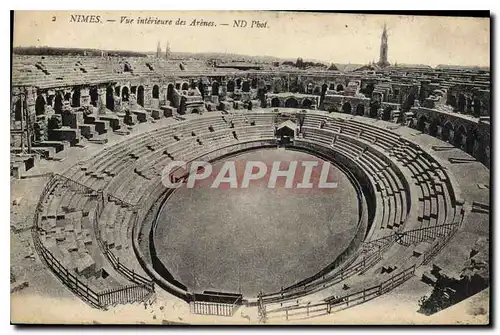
x: 228, y: 239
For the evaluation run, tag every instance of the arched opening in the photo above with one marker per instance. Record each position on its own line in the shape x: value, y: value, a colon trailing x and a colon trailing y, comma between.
x: 140, y: 95
x: 291, y: 103
x: 347, y: 108
x: 332, y: 87
x: 339, y: 88
x: 192, y: 84
x: 255, y: 82
x: 421, y: 123
x: 94, y: 96
x: 461, y: 103
x: 75, y: 100
x: 261, y: 95
x: 230, y: 86
x: 275, y: 102
x: 324, y: 88
x: 317, y: 90
x: 67, y: 96
x: 470, y: 141
x: 201, y: 88
x: 360, y: 109
x: 374, y: 106
x: 156, y: 92
x: 18, y: 115
x: 238, y: 83
x: 457, y: 138
x: 215, y: 88
x: 58, y: 103
x: 368, y: 90
x: 445, y: 132
x: 178, y: 86
x: 245, y: 86
x: 182, y: 105
x: 117, y: 90
x: 170, y: 93
x: 306, y: 103
x: 125, y: 93
x: 185, y: 86
x: 433, y: 127
x: 386, y: 113
x: 477, y: 107
x: 40, y: 105
x: 409, y: 102
x: 110, y: 98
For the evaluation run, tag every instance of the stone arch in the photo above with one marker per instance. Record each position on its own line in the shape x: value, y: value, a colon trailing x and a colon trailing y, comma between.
x: 215, y: 88
x: 446, y: 131
x: 360, y: 109
x: 461, y: 103
x: 317, y: 90
x: 245, y: 86
x: 18, y: 114
x: 421, y: 123
x: 117, y: 91
x: 185, y: 86
x: 457, y: 138
x: 386, y: 113
x: 230, y: 86
x: 470, y: 141
x: 201, y: 88
x: 433, y: 127
x: 324, y: 88
x: 94, y: 96
x: 339, y: 88
x: 275, y: 102
x: 67, y: 96
x: 476, y: 107
x: 156, y: 92
x: 40, y: 105
x: 125, y: 93
x: 291, y: 103
x: 170, y: 93
x: 306, y: 103
x: 255, y: 83
x: 140, y: 95
x: 331, y: 87
x: 347, y: 108
x: 368, y: 90
x: 374, y: 106
x: 58, y: 103
x: 75, y: 98
x: 238, y: 83
x: 261, y: 95
x: 110, y: 100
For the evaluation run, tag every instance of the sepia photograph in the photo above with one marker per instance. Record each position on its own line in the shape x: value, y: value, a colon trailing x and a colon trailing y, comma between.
x: 250, y: 168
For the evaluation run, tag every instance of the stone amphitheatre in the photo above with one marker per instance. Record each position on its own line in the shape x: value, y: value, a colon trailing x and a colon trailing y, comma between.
x: 95, y: 232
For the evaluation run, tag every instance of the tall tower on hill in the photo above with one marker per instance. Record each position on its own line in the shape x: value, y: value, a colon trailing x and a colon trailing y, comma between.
x: 167, y: 51
x: 158, y: 50
x: 383, y: 62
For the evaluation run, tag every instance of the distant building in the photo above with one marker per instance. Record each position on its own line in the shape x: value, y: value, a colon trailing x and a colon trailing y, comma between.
x: 383, y: 62
x: 158, y: 50
x: 167, y: 51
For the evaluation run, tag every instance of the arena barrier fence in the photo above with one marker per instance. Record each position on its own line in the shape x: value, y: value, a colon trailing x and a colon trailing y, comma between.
x: 342, y: 302
x: 215, y: 303
x: 141, y: 291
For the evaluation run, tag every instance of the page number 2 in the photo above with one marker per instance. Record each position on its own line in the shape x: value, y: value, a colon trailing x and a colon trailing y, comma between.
x: 53, y: 19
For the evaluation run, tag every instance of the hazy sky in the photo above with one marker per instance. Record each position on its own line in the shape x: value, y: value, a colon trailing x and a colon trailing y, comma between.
x: 339, y: 38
